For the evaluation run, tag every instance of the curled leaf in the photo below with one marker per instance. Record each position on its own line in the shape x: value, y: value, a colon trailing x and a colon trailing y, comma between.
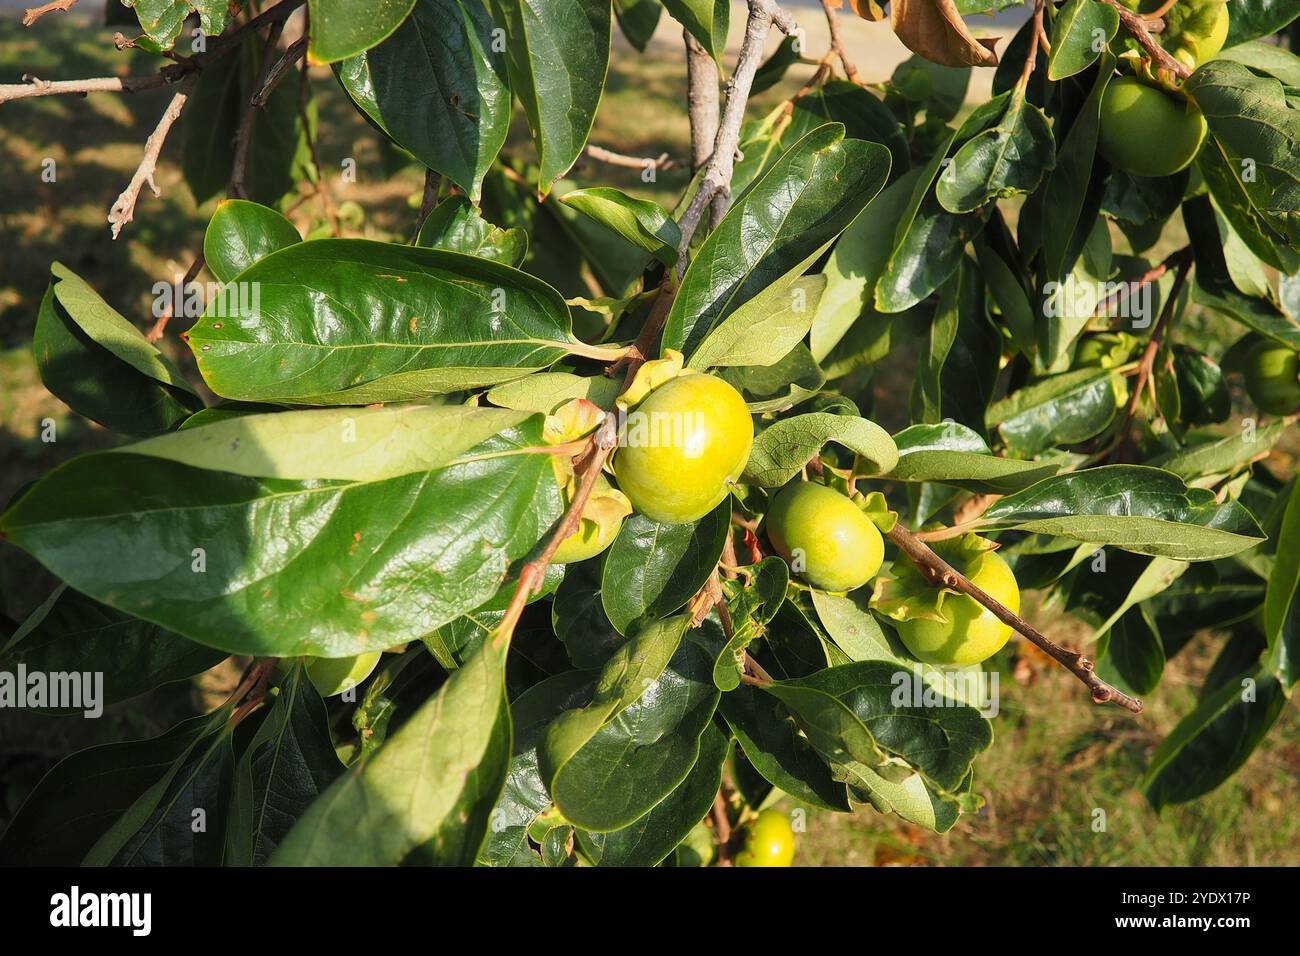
x: 935, y: 30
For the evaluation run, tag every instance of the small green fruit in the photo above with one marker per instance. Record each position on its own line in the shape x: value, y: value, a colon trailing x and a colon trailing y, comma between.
x: 1273, y: 377
x: 1147, y: 132
x: 684, y: 446
x: 971, y: 633
x: 769, y: 841
x: 334, y: 675
x: 824, y: 536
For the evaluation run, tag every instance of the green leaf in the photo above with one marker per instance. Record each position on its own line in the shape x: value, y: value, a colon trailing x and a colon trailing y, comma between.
x: 351, y: 322
x: 546, y: 391
x: 1281, y: 608
x: 340, y: 29
x: 772, y: 388
x: 641, y: 222
x: 706, y: 20
x: 437, y: 87
x: 162, y: 20
x: 638, y: 20
x: 1258, y: 18
x: 958, y: 456
x: 1081, y: 30
x: 1224, y: 455
x: 242, y: 232
x: 855, y: 265
x: 1264, y: 57
x: 579, y: 620
x: 1060, y: 409
x: 525, y: 795
x: 653, y: 569
x: 853, y: 713
x: 911, y: 798
x: 778, y: 751
x: 1212, y: 742
x: 773, y: 69
x: 1256, y: 131
x: 455, y: 225
x: 785, y: 446
x: 101, y: 366
x: 773, y: 232
x: 765, y: 329
x: 1133, y: 507
x: 927, y: 255
x: 651, y: 838
x: 79, y: 635
x: 1131, y: 654
x: 158, y: 828
x: 287, y: 765
x: 367, y: 564
x: 1002, y: 161
x: 558, y: 54
x: 78, y: 800
x: 425, y: 796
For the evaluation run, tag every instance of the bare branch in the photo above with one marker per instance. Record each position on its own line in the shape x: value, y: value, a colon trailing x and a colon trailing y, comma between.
x: 1138, y: 26
x: 123, y: 210
x: 837, y: 44
x: 159, y: 328
x: 945, y: 575
x: 282, y: 66
x: 600, y: 154
x: 702, y: 99
x: 32, y: 14
x: 244, y: 138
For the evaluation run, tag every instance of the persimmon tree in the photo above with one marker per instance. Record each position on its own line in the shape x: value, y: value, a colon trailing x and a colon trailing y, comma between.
x: 529, y: 530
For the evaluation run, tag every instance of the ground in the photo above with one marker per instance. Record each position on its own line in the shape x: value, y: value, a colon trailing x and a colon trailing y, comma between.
x: 1058, y: 759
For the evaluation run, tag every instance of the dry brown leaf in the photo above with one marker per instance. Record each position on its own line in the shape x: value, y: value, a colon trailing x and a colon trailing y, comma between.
x: 935, y: 30
x: 866, y: 9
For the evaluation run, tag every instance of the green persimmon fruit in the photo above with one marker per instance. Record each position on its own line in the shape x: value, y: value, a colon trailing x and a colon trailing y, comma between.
x: 602, y: 517
x: 1194, y: 30
x: 1147, y: 132
x: 334, y: 675
x: 824, y: 536
x: 1273, y: 377
x: 971, y: 633
x: 769, y: 841
x: 683, y: 447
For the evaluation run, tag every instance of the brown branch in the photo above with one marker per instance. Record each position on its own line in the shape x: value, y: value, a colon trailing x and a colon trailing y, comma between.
x: 1140, y: 29
x: 254, y: 686
x: 721, y: 829
x: 702, y: 97
x: 1159, y: 12
x: 600, y: 154
x: 837, y: 43
x: 1104, y: 308
x: 123, y: 210
x: 244, y: 137
x: 945, y: 575
x: 32, y: 14
x: 277, y: 72
x: 600, y: 446
x: 1038, y: 36
x: 715, y: 182
x: 171, y: 73
x: 429, y: 199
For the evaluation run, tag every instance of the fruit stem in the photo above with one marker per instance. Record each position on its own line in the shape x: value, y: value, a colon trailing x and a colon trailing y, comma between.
x: 937, y: 569
x: 1137, y: 26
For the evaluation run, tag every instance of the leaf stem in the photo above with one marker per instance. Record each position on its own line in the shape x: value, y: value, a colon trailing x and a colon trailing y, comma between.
x: 1139, y: 28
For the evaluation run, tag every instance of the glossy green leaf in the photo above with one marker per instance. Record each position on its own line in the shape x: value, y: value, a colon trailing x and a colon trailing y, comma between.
x: 1131, y: 654
x: 455, y: 225
x: 1005, y: 160
x: 651, y: 838
x: 1281, y: 607
x: 1223, y: 455
x: 1133, y: 507
x: 653, y: 569
x: 546, y: 391
x: 706, y: 20
x: 765, y: 329
x: 340, y: 29
x: 558, y: 54
x: 287, y: 765
x: 162, y: 20
x: 242, y: 232
x: 786, y: 445
x: 638, y: 20
x: 1057, y: 410
x: 426, y: 795
x: 437, y: 87
x: 1080, y: 32
x: 101, y: 366
x: 1266, y: 58
x: 773, y: 232
x: 579, y: 618
x: 641, y: 222
x: 351, y: 322
x: 375, y: 563
x: 1257, y: 18
x: 636, y: 760
x: 910, y: 798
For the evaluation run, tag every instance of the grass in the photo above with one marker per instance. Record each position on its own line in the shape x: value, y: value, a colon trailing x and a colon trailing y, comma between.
x: 1058, y: 759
